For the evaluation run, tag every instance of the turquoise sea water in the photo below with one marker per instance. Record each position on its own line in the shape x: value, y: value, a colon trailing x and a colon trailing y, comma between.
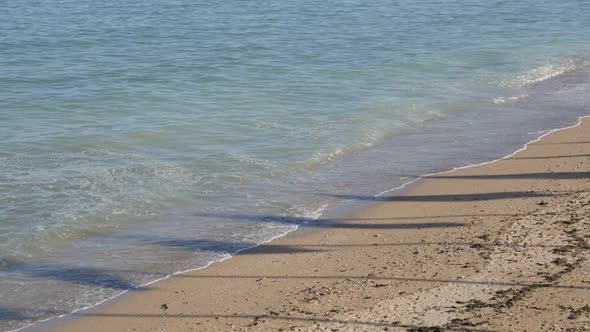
x: 143, y: 138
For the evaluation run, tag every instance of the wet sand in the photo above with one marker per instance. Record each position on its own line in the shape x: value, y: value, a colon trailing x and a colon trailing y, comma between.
x: 497, y: 247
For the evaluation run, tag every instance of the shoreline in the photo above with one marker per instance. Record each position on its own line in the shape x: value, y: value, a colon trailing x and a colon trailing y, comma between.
x: 122, y: 300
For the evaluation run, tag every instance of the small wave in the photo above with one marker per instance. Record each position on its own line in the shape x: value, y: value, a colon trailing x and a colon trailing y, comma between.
x: 509, y: 100
x: 266, y: 125
x: 309, y: 211
x: 265, y: 163
x: 321, y: 158
x: 545, y: 72
x: 373, y: 136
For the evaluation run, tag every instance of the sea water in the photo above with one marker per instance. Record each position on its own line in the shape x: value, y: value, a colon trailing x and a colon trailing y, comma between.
x: 143, y: 138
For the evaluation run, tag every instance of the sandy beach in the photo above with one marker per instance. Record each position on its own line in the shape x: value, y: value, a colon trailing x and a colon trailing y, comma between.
x: 497, y: 247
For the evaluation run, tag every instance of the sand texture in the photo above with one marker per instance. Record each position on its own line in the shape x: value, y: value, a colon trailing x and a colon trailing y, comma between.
x: 498, y: 247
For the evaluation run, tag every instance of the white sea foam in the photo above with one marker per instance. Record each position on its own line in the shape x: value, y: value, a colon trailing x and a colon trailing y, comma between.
x: 265, y: 163
x: 509, y: 100
x: 313, y: 211
x: 544, y: 72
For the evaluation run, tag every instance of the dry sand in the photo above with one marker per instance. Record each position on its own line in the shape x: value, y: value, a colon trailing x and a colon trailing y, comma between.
x: 498, y: 247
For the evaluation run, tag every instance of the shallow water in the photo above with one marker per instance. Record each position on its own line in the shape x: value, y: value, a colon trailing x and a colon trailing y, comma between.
x: 139, y: 139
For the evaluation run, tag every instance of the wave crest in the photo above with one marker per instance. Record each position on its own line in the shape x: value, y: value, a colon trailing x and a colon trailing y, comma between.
x: 545, y: 72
